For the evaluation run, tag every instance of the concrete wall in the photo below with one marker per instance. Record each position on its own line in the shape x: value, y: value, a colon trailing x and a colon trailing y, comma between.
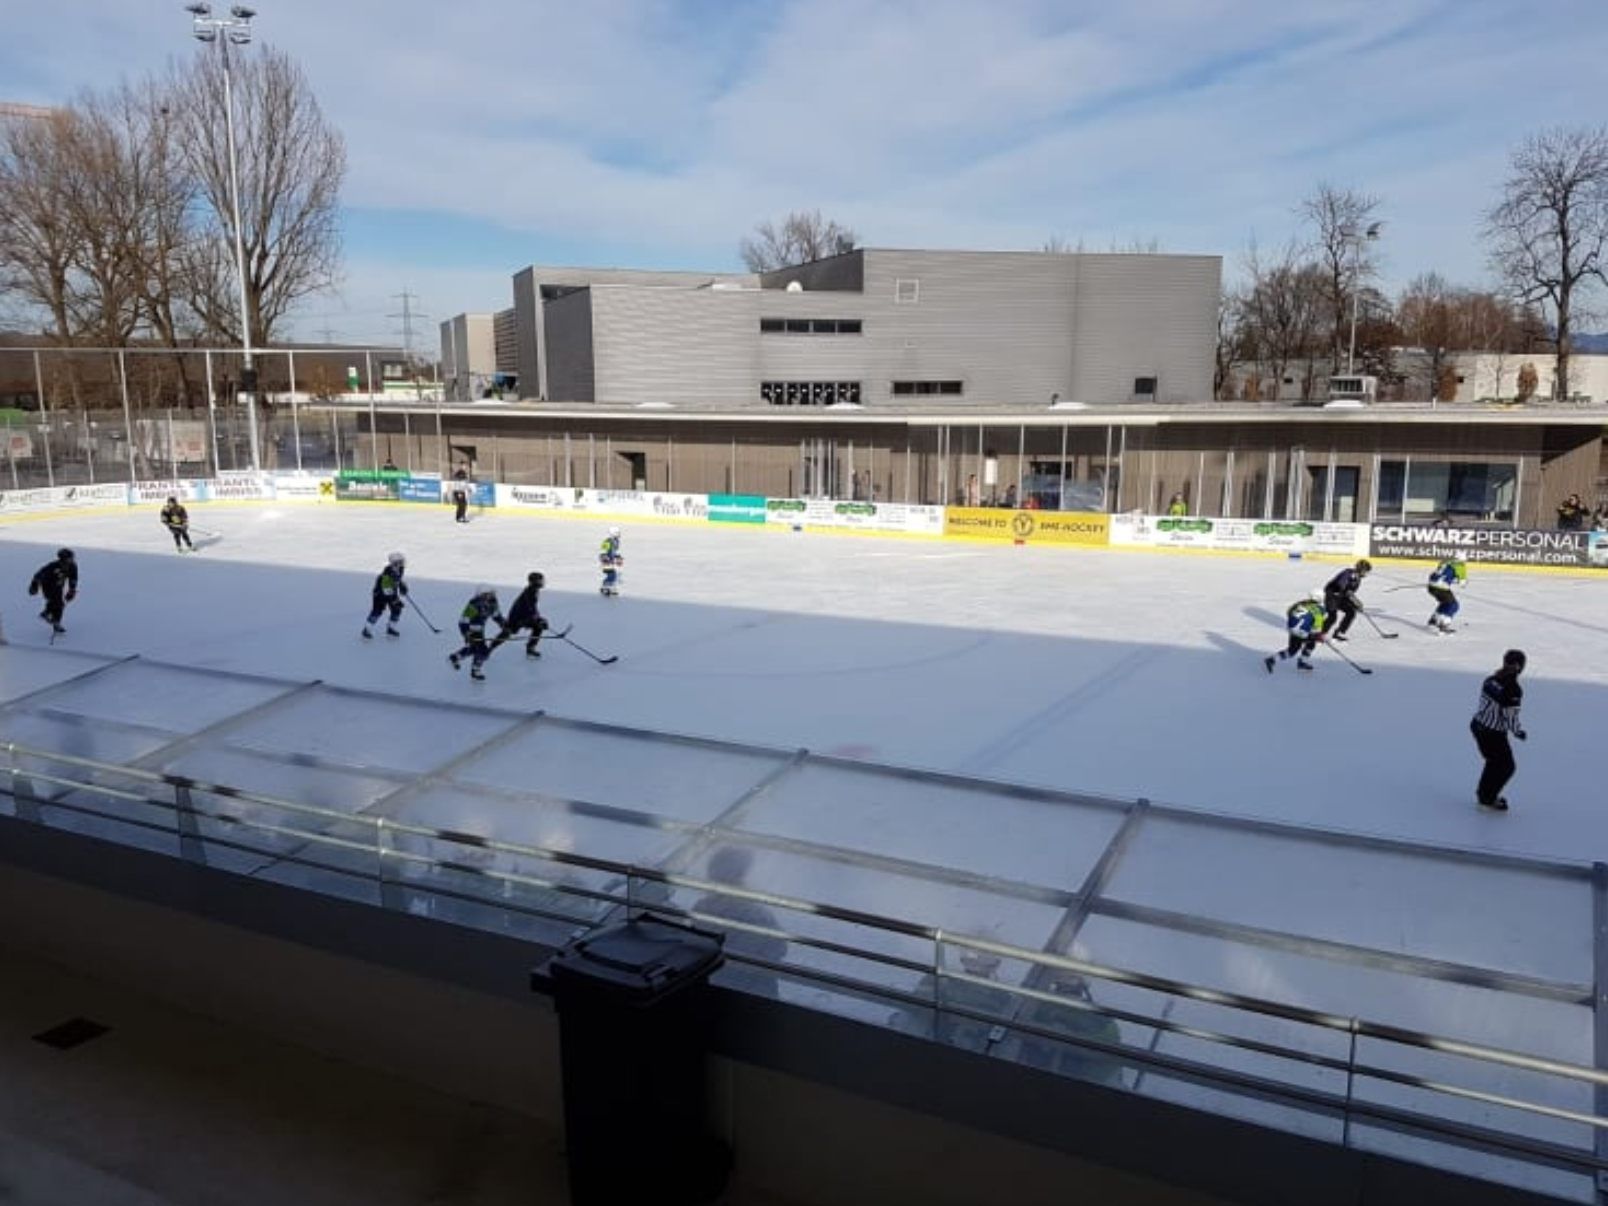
x: 567, y: 334
x: 1489, y: 375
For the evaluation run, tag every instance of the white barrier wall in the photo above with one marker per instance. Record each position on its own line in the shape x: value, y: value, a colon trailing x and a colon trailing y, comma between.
x: 1239, y: 535
x: 625, y: 504
x: 839, y: 515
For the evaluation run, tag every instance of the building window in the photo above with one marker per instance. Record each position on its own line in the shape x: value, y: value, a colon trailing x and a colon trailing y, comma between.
x: 809, y: 393
x: 908, y: 389
x: 907, y: 292
x: 810, y: 326
x: 1144, y: 387
x: 1467, y: 491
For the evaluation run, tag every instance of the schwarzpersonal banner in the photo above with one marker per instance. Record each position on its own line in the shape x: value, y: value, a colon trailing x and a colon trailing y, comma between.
x: 1509, y: 546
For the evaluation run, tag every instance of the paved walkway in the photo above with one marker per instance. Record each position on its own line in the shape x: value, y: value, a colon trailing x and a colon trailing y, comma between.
x: 172, y: 1109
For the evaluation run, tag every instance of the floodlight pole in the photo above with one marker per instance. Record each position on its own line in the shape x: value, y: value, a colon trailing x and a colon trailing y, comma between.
x: 235, y: 28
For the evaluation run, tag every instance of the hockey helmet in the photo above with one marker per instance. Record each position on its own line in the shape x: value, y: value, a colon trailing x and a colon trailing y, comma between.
x: 64, y: 554
x: 614, y: 531
x: 536, y: 578
x: 483, y: 591
x: 1315, y: 595
x: 1514, y: 658
x: 395, y: 559
x: 173, y: 498
x: 1365, y: 566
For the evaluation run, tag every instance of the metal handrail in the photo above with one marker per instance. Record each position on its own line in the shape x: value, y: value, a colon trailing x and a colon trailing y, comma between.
x: 1352, y: 1027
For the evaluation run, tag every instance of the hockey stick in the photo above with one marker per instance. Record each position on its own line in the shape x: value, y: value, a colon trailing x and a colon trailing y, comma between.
x: 422, y: 616
x: 1389, y: 636
x: 1334, y: 649
x: 503, y: 637
x: 601, y: 661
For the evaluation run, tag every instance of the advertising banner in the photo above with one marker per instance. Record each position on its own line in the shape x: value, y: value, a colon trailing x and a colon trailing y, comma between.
x: 366, y: 488
x: 244, y: 484
x: 1081, y: 528
x: 192, y: 490
x: 854, y: 516
x: 18, y: 443
x: 537, y: 498
x: 1509, y: 546
x: 1238, y: 535
x: 63, y: 498
x: 424, y: 488
x: 736, y: 508
x: 303, y: 488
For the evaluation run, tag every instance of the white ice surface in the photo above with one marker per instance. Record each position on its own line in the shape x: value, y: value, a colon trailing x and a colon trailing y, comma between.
x: 1106, y: 673
x: 1128, y: 674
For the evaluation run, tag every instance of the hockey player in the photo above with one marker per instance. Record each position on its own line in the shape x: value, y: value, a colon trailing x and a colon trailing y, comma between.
x: 1449, y: 573
x: 525, y: 614
x: 1340, y: 598
x: 472, y: 625
x: 389, y: 591
x: 177, y: 520
x: 1496, y: 716
x: 58, y: 581
x: 1306, y: 621
x: 611, y: 562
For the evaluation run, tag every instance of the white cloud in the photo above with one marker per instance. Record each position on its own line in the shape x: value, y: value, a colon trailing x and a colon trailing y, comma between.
x: 674, y: 126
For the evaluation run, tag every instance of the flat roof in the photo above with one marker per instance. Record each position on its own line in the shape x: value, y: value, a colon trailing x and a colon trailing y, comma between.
x: 1211, y: 413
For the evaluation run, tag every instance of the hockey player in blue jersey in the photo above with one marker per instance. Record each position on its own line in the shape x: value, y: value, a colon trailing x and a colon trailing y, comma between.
x: 611, y: 562
x: 389, y: 590
x: 1449, y: 573
x: 472, y: 626
x: 1305, y: 621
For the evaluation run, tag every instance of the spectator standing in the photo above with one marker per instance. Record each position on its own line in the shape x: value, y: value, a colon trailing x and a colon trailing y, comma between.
x: 1178, y: 506
x: 1010, y: 497
x: 1496, y: 716
x: 1572, y: 514
x: 730, y: 865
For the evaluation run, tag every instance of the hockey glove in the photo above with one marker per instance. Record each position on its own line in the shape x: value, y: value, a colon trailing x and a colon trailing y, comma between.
x: 403, y: 587
x: 1521, y: 734
x: 33, y: 588
x: 72, y: 594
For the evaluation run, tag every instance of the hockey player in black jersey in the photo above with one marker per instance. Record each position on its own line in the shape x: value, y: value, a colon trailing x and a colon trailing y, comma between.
x: 389, y: 590
x: 57, y: 581
x: 1497, y: 715
x: 525, y: 615
x: 1340, y: 599
x: 177, y: 521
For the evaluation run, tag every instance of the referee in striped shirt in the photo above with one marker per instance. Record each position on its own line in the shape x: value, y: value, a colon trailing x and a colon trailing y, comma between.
x: 1496, y: 717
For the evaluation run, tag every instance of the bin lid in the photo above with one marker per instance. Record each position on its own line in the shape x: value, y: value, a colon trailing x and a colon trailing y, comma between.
x: 638, y: 959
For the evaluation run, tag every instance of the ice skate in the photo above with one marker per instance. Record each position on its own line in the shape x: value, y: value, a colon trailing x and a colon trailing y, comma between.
x: 1499, y: 804
x: 367, y: 635
x: 1303, y: 664
x: 1268, y: 662
x: 455, y: 660
x: 476, y: 674
x: 392, y: 630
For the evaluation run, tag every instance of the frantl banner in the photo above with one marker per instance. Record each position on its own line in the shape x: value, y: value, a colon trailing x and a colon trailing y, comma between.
x: 1508, y: 546
x: 1087, y: 529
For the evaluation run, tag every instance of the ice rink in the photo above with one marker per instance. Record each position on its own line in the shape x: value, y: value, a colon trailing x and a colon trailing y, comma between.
x: 1121, y: 673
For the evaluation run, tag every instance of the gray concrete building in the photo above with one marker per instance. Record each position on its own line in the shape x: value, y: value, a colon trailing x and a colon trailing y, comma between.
x: 875, y: 326
x: 468, y: 355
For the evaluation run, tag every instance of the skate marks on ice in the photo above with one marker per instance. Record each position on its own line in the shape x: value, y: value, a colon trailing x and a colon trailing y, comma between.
x: 1056, y: 715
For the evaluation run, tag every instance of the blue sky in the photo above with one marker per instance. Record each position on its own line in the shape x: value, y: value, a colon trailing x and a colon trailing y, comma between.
x: 484, y: 135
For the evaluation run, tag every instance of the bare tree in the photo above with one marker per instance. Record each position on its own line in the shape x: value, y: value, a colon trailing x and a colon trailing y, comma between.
x: 1428, y: 321
x: 1283, y: 311
x: 1548, y: 231
x: 292, y: 163
x: 1232, y: 343
x: 801, y: 237
x: 1339, y: 220
x: 39, y: 245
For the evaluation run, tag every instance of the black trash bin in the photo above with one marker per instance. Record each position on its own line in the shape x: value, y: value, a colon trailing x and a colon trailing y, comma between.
x: 633, y: 1008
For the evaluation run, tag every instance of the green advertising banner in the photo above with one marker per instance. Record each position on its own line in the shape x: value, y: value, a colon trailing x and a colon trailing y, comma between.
x: 368, y: 487
x: 736, y: 508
